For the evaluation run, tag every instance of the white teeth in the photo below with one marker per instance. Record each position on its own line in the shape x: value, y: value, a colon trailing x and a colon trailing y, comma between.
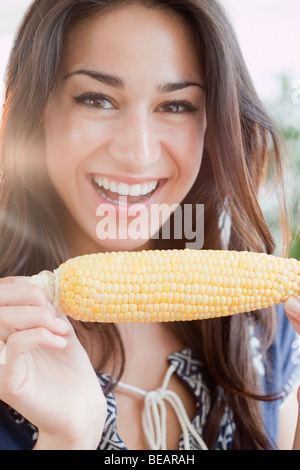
x: 105, y: 183
x: 113, y: 187
x: 135, y: 190
x: 144, y: 189
x: 124, y: 189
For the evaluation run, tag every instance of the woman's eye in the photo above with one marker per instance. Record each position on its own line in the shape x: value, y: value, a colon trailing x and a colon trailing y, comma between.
x: 178, y: 107
x: 95, y: 101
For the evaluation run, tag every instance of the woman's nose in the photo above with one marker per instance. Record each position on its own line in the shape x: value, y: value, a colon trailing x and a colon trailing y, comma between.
x: 136, y: 143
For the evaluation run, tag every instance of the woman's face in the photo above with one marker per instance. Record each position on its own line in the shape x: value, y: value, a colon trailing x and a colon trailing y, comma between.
x: 124, y: 131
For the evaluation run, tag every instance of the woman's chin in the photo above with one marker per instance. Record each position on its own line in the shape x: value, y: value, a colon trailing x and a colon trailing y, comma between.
x: 126, y: 244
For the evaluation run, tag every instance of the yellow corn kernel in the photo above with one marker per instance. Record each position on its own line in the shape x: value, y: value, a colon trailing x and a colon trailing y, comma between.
x: 169, y: 285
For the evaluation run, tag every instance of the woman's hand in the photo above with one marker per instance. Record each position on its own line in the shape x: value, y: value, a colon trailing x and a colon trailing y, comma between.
x: 46, y: 375
x: 292, y: 309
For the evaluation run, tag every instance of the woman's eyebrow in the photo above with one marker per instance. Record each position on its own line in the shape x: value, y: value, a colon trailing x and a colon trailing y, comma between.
x: 174, y: 86
x: 110, y: 80
x: 117, y: 82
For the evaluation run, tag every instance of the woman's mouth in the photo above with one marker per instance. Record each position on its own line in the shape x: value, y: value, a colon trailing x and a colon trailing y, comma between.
x: 120, y: 193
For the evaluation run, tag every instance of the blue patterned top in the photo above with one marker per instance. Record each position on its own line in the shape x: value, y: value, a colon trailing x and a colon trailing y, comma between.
x: 191, y: 372
x: 16, y: 433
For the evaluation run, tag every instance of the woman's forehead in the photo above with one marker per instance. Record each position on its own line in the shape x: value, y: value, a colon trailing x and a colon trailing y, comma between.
x: 132, y: 39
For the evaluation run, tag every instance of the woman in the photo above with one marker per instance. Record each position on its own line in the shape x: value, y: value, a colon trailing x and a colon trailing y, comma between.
x: 102, y: 97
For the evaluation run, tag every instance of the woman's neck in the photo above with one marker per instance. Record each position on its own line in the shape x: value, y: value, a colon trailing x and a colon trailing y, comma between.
x: 147, y: 348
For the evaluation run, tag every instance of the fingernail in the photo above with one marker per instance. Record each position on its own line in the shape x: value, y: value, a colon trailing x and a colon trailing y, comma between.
x: 20, y: 279
x: 60, y: 340
x: 62, y: 325
x: 2, y: 353
x: 51, y: 308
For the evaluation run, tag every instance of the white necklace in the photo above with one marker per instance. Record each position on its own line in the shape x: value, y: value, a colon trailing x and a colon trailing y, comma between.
x: 154, y: 416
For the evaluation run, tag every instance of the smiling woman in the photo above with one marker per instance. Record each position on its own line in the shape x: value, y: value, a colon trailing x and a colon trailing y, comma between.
x: 128, y: 103
x: 113, y: 122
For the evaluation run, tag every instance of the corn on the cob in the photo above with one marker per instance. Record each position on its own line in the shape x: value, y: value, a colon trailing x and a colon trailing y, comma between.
x: 169, y: 285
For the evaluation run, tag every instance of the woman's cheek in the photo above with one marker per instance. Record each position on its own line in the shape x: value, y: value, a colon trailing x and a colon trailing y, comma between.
x: 188, y: 148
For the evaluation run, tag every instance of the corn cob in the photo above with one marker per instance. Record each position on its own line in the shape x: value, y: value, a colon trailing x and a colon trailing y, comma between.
x: 168, y: 285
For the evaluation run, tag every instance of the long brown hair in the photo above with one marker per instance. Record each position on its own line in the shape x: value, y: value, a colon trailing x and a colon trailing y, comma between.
x: 240, y: 142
